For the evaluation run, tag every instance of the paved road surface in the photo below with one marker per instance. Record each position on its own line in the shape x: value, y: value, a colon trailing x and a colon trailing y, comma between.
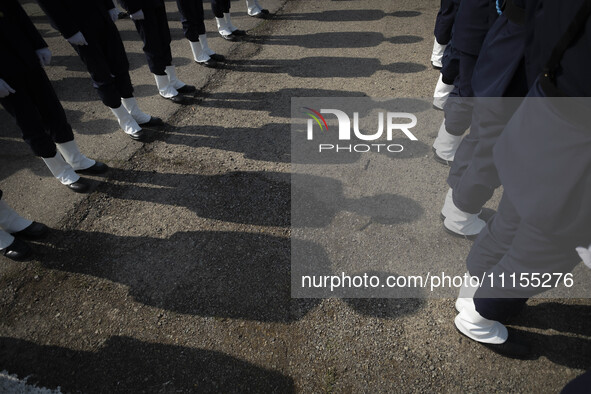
x: 174, y: 274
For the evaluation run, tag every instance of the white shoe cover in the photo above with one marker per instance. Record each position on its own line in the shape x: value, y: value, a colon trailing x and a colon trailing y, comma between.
x: 127, y: 123
x: 437, y: 54
x: 229, y: 24
x: 165, y: 89
x: 458, y: 221
x: 253, y: 7
x: 61, y: 170
x: 442, y: 91
x: 73, y: 157
x: 470, y: 323
x: 223, y: 27
x: 466, y: 294
x: 10, y: 221
x: 175, y: 82
x: 446, y: 144
x: 199, y: 55
x: 5, y: 239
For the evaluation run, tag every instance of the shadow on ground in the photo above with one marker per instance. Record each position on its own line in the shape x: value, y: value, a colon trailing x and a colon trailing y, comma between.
x: 126, y: 365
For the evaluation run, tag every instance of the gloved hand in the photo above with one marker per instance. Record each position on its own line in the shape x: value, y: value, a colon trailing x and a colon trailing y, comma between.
x: 585, y: 254
x: 114, y: 14
x: 77, y: 39
x: 137, y: 16
x: 5, y: 89
x: 44, y: 55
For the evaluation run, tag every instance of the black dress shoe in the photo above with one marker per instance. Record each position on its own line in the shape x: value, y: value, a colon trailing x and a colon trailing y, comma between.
x: 18, y: 250
x: 97, y: 168
x: 209, y: 63
x: 187, y: 89
x: 154, y: 121
x: 138, y: 135
x: 236, y: 35
x: 79, y: 187
x: 239, y: 33
x: 217, y: 57
x: 34, y: 230
x: 263, y: 14
x: 178, y: 99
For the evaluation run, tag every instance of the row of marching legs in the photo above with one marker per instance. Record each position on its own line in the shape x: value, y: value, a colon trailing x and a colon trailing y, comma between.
x: 90, y: 28
x: 499, y: 116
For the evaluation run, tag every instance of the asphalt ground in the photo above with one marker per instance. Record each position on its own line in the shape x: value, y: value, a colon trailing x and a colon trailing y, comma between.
x: 173, y: 275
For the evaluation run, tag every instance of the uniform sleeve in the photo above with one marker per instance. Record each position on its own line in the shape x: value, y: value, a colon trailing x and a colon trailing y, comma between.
x: 61, y: 17
x: 23, y: 20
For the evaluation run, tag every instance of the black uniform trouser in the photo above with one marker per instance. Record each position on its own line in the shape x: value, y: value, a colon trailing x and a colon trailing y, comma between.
x: 220, y: 7
x: 107, y: 63
x: 155, y: 34
x: 451, y: 64
x: 445, y: 21
x: 38, y: 112
x: 509, y: 245
x: 458, y: 107
x: 498, y: 81
x: 192, y: 18
x: 580, y: 384
x: 543, y: 214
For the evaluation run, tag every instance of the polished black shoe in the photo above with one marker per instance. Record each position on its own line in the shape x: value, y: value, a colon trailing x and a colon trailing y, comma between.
x: 97, y: 168
x: 236, y: 35
x: 208, y: 63
x: 79, y: 187
x: 263, y: 14
x: 34, y: 230
x: 187, y: 89
x: 154, y: 121
x: 217, y: 57
x: 239, y: 33
x: 178, y: 99
x: 137, y: 136
x: 18, y: 250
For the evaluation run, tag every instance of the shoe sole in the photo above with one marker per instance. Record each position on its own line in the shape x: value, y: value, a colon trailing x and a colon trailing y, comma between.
x: 485, y: 215
x: 139, y: 138
x: 468, y: 237
x: 441, y: 160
